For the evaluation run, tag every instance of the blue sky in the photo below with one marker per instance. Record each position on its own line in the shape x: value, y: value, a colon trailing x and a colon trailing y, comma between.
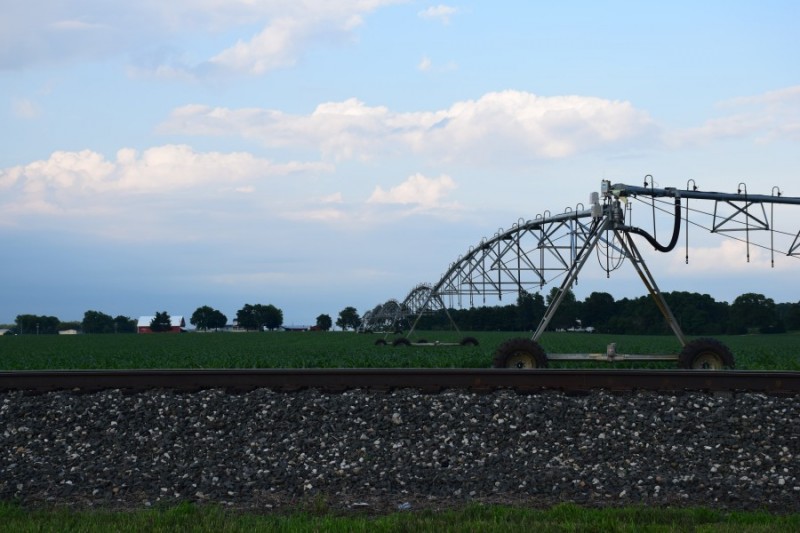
x: 320, y: 154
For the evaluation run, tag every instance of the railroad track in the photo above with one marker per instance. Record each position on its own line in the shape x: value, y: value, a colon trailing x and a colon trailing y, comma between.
x: 426, y: 380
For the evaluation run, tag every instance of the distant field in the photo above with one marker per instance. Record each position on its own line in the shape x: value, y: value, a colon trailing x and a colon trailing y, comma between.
x: 345, y: 349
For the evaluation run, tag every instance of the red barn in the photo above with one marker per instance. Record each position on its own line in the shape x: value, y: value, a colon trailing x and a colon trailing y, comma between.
x: 178, y: 325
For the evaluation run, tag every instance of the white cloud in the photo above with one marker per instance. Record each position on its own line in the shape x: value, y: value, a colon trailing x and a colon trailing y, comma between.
x: 73, y: 182
x: 290, y: 30
x: 487, y: 129
x: 424, y: 64
x: 779, y: 97
x: 440, y: 12
x: 46, y: 31
x: 417, y: 190
x: 770, y: 116
x: 274, y: 47
x: 728, y: 258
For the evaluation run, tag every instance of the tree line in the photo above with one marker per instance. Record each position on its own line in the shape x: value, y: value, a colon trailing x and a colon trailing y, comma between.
x: 697, y: 314
x: 268, y: 317
x: 255, y: 317
x: 93, y: 322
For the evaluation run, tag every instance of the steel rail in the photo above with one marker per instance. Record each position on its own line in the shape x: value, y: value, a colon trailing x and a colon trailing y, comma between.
x: 426, y: 380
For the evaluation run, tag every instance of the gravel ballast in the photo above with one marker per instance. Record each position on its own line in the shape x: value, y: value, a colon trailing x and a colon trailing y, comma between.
x: 374, y: 450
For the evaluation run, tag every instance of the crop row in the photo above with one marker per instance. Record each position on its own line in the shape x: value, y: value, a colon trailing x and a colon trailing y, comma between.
x: 345, y: 350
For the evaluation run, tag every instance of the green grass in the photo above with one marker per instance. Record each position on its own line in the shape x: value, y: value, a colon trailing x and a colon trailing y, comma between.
x: 477, y: 518
x: 337, y: 349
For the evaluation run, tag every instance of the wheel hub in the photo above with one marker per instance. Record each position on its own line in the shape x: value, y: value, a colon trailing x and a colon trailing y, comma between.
x: 707, y: 361
x: 521, y: 360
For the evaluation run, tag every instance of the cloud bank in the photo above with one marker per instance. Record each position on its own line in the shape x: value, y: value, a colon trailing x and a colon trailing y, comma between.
x: 486, y: 129
x: 51, y: 32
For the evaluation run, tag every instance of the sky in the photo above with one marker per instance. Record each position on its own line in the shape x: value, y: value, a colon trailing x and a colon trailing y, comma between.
x: 319, y: 154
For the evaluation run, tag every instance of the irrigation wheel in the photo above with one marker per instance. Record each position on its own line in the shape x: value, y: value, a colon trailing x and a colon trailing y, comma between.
x: 705, y: 354
x: 469, y: 341
x: 402, y: 341
x: 520, y: 353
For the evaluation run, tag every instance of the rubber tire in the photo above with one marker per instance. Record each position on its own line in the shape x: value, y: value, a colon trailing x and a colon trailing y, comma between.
x: 520, y: 353
x: 705, y: 354
x: 380, y: 342
x: 402, y: 341
x: 469, y: 341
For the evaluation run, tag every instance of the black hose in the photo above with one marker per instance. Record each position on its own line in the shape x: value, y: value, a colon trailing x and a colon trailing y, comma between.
x: 676, y: 230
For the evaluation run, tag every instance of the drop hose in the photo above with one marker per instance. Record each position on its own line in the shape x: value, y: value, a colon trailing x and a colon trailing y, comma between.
x: 676, y: 230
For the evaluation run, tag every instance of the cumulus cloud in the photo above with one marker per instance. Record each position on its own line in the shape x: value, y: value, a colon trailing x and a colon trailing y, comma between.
x: 45, y: 31
x: 728, y: 257
x: 73, y: 181
x: 275, y: 46
x: 288, y: 33
x: 766, y: 117
x: 417, y: 190
x: 487, y: 129
x: 441, y: 13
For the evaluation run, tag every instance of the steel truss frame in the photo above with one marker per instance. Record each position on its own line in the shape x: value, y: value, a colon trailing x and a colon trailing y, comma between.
x: 526, y: 257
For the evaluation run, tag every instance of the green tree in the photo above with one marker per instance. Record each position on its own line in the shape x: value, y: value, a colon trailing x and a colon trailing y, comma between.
x: 161, y: 322
x: 272, y: 316
x: 530, y: 309
x: 324, y: 322
x: 789, y: 313
x: 348, y: 318
x: 259, y: 316
x: 246, y: 317
x: 97, y: 322
x: 754, y: 311
x: 124, y: 324
x: 37, y: 325
x: 206, y: 318
x: 698, y: 314
x: 568, y: 311
x: 597, y: 310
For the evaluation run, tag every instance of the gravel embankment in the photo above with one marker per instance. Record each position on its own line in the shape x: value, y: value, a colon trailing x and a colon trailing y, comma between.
x: 381, y: 451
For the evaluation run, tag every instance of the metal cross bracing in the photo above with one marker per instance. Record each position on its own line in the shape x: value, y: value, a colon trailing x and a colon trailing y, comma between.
x: 523, y: 258
x: 536, y: 252
x: 383, y: 317
x: 733, y: 215
x: 392, y: 315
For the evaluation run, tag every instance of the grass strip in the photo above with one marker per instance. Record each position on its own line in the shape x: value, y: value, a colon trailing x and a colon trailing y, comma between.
x: 478, y: 518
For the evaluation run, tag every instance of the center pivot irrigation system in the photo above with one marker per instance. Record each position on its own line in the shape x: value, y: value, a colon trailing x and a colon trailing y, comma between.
x: 535, y: 252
